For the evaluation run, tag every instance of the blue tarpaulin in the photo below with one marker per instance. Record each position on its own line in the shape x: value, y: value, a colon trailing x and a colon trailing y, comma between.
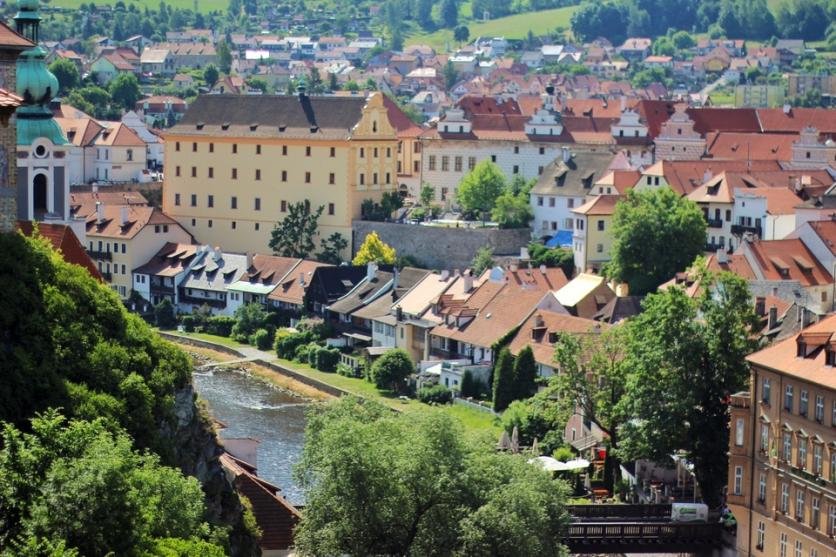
x: 563, y: 238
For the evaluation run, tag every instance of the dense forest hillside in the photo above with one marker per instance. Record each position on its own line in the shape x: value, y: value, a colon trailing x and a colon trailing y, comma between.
x: 100, y: 424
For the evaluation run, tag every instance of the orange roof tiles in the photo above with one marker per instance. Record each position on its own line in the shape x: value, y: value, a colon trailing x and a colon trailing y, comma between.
x: 788, y: 259
x: 775, y: 120
x: 779, y: 201
x: 119, y: 135
x: 750, y: 146
x: 292, y: 290
x: 137, y: 219
x: 9, y: 100
x: 735, y: 263
x: 535, y: 332
x: 783, y: 357
x: 826, y: 230
x: 600, y: 205
x: 9, y: 38
x: 64, y: 240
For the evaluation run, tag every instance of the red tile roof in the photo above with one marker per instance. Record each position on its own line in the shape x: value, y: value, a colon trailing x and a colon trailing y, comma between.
x: 783, y: 356
x: 64, y: 240
x: 535, y: 331
x: 750, y: 146
x: 137, y: 219
x: 9, y: 38
x: 600, y: 205
x: 291, y: 290
x: 788, y: 259
x: 171, y: 260
x: 826, y: 230
x: 735, y: 263
x: 399, y: 120
x: 775, y: 120
x: 9, y: 100
x: 275, y: 516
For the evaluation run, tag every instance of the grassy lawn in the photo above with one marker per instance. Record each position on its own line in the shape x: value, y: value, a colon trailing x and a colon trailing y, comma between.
x: 722, y: 97
x: 511, y: 27
x: 204, y: 6
x: 228, y: 342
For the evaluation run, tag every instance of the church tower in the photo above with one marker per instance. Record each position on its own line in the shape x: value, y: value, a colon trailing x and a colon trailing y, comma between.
x: 11, y: 45
x: 43, y: 188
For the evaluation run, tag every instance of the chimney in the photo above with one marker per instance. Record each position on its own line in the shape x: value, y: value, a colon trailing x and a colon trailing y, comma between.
x: 542, y: 269
x: 623, y: 103
x: 396, y: 277
x: 371, y: 270
x: 95, y: 188
x: 524, y: 254
x: 773, y: 318
x: 123, y: 216
x: 398, y: 314
x: 302, y: 279
x: 566, y: 154
x: 99, y: 212
x: 722, y: 256
x: 456, y: 272
x: 760, y: 306
x: 805, y: 317
x: 706, y: 175
x: 468, y: 282
x: 249, y: 260
x: 445, y: 274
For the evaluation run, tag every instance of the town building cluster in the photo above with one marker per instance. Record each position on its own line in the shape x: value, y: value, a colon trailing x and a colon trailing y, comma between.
x: 234, y: 161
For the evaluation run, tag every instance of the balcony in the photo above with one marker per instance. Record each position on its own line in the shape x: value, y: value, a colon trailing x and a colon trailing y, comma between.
x: 199, y: 300
x: 740, y: 230
x: 709, y: 246
x: 103, y: 255
x: 714, y: 223
x: 107, y: 276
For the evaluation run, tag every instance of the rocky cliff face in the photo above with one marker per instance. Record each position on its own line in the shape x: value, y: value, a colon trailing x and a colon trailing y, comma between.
x: 196, y: 452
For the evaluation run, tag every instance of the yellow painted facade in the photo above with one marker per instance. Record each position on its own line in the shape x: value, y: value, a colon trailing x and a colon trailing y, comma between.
x: 230, y: 191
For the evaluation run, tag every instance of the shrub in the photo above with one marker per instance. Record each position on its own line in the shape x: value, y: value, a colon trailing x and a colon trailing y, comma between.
x: 164, y: 314
x: 347, y: 371
x: 438, y: 394
x: 303, y: 352
x: 316, y: 326
x: 326, y: 359
x: 220, y: 325
x: 261, y: 339
x: 188, y: 322
x: 287, y: 342
x: 391, y: 370
x: 469, y: 386
x: 248, y: 319
x: 563, y: 454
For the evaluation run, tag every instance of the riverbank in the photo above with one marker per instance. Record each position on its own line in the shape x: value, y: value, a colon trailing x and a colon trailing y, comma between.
x: 472, y: 420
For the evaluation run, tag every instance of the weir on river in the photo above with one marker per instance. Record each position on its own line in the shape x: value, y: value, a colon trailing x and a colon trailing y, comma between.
x: 252, y: 408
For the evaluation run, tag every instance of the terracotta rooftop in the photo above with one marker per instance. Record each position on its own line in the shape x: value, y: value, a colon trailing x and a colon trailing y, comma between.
x: 750, y: 146
x: 779, y: 201
x: 171, y: 260
x: 137, y: 219
x: 119, y: 135
x: 788, y: 259
x: 735, y: 263
x: 775, y: 120
x: 292, y: 289
x: 783, y: 357
x: 9, y: 99
x: 9, y: 38
x: 64, y: 240
x: 82, y: 204
x: 543, y: 326
x: 685, y: 176
x: 600, y: 205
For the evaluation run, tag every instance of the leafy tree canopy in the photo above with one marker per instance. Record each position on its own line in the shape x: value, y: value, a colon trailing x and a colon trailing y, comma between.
x: 379, y: 483
x: 293, y: 235
x: 479, y: 189
x: 124, y: 90
x: 391, y: 370
x: 373, y: 249
x: 67, y: 74
x: 646, y: 225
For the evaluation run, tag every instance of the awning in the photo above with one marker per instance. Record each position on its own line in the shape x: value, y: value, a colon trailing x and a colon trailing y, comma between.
x: 358, y: 336
x: 251, y: 287
x: 378, y: 350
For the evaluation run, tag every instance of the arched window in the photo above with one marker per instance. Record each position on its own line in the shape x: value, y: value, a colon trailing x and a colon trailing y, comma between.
x: 39, y: 194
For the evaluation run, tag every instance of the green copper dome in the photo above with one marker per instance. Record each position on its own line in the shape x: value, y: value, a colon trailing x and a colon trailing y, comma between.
x: 35, y: 83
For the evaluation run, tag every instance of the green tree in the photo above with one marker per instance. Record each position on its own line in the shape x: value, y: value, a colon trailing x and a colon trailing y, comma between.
x: 248, y: 319
x: 224, y: 57
x: 80, y: 485
x: 293, y: 235
x: 373, y: 249
x: 592, y: 381
x: 124, y: 90
x: 482, y: 261
x: 332, y: 82
x: 503, y: 380
x: 332, y: 248
x: 391, y: 370
x: 164, y: 314
x: 525, y: 374
x: 683, y: 40
x: 479, y: 189
x: 426, y: 195
x: 552, y: 257
x: 449, y: 13
x: 210, y: 75
x: 424, y: 11
x: 67, y: 74
x: 461, y: 34
x: 645, y: 226
x: 512, y: 211
x: 685, y: 357
x: 451, y: 76
x: 379, y: 483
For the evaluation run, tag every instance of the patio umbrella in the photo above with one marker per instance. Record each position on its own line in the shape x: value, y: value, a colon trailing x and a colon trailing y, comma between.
x: 547, y: 463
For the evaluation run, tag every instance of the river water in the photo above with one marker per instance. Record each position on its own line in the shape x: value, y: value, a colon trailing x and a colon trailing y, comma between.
x: 252, y: 408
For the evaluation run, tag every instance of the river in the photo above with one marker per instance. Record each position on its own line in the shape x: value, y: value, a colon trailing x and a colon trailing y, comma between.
x: 249, y: 407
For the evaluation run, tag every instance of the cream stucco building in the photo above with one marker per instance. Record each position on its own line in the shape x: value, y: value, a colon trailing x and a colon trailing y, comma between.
x: 235, y: 164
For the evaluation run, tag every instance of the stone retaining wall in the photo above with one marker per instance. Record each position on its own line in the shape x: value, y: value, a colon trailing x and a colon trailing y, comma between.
x: 441, y: 248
